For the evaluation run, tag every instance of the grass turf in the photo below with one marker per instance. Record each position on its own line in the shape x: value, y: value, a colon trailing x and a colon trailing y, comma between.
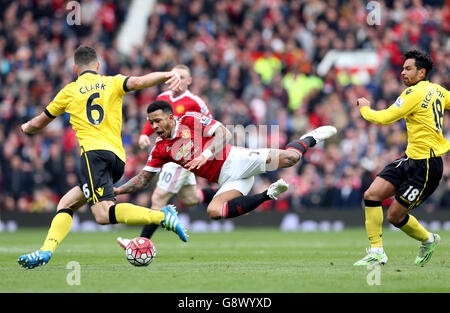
x: 242, y: 261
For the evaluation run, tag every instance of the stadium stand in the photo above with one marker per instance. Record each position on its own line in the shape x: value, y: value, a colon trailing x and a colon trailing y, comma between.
x: 255, y: 62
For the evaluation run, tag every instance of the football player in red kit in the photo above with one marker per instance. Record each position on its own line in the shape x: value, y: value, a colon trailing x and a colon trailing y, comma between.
x: 200, y: 144
x: 174, y: 179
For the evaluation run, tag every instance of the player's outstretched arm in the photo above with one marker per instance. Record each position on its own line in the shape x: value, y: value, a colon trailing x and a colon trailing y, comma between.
x: 171, y: 78
x: 396, y: 111
x: 36, y: 124
x: 137, y: 183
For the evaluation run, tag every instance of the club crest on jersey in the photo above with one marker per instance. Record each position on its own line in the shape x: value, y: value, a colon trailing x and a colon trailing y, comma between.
x: 184, y: 151
x: 180, y: 109
x: 186, y: 134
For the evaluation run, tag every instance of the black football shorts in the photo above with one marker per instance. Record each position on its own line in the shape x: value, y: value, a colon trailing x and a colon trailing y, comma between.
x: 414, y: 180
x: 100, y: 170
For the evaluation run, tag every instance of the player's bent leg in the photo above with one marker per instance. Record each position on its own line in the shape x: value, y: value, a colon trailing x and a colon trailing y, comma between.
x: 216, y: 208
x: 131, y: 214
x: 379, y: 190
x: 233, y: 203
x: 73, y: 199
x: 59, y: 228
x: 398, y: 215
x: 189, y: 195
x: 101, y: 210
x: 160, y: 198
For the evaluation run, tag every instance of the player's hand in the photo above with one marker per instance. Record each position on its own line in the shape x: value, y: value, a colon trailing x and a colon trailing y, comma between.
x: 362, y: 102
x: 174, y: 80
x: 144, y: 141
x: 116, y: 191
x: 24, y: 127
x: 196, y: 163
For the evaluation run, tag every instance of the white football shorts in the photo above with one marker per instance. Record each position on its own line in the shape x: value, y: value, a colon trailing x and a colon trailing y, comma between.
x: 173, y: 177
x: 239, y: 169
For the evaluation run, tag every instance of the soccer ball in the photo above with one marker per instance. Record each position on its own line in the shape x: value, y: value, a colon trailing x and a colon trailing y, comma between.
x: 140, y: 251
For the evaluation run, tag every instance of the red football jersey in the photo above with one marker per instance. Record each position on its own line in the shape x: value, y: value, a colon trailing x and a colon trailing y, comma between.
x: 186, y: 102
x: 193, y: 133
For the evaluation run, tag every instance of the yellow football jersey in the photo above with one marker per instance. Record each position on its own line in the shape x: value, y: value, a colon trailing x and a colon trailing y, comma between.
x: 94, y: 103
x: 422, y: 106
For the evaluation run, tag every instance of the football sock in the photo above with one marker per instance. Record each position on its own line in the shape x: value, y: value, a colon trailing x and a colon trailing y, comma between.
x: 374, y: 222
x: 206, y: 194
x: 131, y: 214
x: 59, y: 228
x: 302, y: 145
x: 244, y: 204
x: 412, y: 228
x: 148, y: 230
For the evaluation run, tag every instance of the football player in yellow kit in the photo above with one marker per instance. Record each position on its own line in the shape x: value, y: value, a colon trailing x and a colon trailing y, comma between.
x: 413, y: 177
x: 94, y: 103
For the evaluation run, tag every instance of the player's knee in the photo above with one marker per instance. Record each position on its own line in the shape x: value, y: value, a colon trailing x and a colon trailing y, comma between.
x: 101, y: 214
x: 64, y: 205
x: 61, y: 206
x: 214, y: 212
x: 101, y: 219
x: 190, y: 199
x: 370, y: 195
x: 394, y: 218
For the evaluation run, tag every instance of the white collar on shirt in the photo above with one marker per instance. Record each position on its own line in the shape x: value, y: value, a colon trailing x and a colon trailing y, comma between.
x: 175, y: 129
x: 179, y: 97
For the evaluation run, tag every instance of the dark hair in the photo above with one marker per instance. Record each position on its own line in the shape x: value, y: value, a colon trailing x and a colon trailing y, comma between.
x: 422, y: 60
x: 165, y: 106
x: 85, y: 55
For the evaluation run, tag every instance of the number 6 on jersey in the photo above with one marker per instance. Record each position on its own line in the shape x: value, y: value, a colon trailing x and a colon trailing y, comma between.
x: 94, y: 111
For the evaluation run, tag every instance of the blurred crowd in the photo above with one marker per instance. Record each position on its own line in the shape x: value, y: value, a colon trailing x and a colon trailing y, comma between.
x: 253, y: 62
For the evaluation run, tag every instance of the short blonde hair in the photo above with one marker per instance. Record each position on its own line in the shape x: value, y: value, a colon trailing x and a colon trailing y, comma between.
x: 183, y: 67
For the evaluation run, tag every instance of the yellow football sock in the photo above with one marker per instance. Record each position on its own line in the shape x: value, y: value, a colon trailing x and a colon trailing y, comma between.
x: 59, y: 228
x: 374, y: 223
x: 131, y: 214
x: 413, y: 229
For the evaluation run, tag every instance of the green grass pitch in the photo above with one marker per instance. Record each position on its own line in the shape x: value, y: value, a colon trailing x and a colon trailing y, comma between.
x: 242, y: 261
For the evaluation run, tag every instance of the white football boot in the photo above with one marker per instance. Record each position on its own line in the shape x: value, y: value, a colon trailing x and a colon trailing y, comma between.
x: 277, y: 188
x: 321, y: 133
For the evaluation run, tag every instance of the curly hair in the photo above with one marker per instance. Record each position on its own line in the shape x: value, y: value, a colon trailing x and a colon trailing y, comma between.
x: 422, y: 60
